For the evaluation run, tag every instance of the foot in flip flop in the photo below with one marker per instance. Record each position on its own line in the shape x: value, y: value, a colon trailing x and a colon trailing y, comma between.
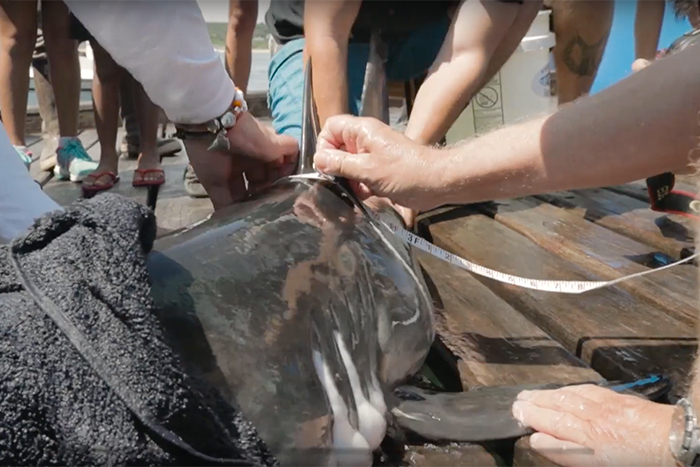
x: 98, y: 181
x: 102, y: 178
x: 149, y: 172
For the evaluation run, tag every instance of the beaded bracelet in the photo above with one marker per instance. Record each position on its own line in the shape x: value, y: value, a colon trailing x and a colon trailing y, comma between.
x: 218, y: 126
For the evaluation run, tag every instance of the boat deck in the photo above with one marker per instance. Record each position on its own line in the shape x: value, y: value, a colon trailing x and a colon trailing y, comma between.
x: 492, y: 334
x: 498, y: 334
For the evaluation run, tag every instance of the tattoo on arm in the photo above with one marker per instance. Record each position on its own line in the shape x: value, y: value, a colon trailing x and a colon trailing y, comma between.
x: 583, y: 58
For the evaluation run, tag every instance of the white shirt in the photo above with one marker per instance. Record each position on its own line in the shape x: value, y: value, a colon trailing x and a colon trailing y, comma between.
x: 165, y: 45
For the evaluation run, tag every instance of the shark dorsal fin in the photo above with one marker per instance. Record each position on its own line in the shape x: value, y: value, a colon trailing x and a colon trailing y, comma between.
x: 375, y: 98
x: 310, y: 127
x: 375, y: 101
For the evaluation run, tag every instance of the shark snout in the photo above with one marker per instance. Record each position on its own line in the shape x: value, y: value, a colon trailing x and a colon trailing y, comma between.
x: 371, y: 411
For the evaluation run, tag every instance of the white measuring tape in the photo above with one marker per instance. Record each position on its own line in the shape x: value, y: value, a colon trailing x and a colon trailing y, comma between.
x: 566, y: 287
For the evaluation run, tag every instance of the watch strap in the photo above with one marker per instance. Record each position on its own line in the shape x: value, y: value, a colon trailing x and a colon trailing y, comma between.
x: 217, y: 127
x: 689, y: 454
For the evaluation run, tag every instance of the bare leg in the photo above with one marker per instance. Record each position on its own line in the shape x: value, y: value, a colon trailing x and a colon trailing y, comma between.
x: 47, y: 110
x: 127, y: 101
x: 105, y: 95
x: 242, y: 16
x: 147, y: 114
x: 64, y: 65
x: 694, y: 18
x: 582, y: 28
x: 18, y: 23
x: 647, y: 30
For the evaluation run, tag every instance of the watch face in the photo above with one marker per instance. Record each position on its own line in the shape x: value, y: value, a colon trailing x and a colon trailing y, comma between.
x: 676, y: 435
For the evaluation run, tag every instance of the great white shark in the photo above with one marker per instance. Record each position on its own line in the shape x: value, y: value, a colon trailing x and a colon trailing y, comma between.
x: 308, y: 315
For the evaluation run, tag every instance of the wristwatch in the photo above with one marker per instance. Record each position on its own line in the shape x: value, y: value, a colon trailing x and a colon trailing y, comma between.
x: 217, y: 127
x: 684, y: 437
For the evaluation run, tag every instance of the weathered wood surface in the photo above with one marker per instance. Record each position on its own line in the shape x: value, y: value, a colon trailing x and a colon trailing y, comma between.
x: 494, y: 343
x: 174, y: 210
x: 513, y: 335
x: 498, y: 334
x: 604, y: 251
x: 627, y: 216
x: 618, y: 334
x: 453, y: 455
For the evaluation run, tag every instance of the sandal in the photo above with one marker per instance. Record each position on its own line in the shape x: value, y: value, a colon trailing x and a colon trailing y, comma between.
x: 144, y: 182
x: 91, y: 190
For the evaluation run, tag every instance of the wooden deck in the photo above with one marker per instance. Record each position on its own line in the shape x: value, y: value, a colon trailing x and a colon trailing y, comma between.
x: 174, y: 210
x: 493, y: 334
x: 504, y: 335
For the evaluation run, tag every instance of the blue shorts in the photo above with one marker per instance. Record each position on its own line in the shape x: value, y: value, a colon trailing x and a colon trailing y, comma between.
x: 407, y: 58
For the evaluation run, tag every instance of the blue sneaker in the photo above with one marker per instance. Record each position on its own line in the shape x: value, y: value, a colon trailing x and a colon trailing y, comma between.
x: 24, y: 154
x: 72, y: 160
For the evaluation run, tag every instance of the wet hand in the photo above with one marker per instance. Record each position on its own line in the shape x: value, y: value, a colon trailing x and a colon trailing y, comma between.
x: 256, y: 151
x: 588, y: 425
x: 380, y: 162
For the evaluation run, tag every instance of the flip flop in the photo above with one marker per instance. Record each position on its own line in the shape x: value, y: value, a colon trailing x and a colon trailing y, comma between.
x: 144, y: 182
x: 91, y: 190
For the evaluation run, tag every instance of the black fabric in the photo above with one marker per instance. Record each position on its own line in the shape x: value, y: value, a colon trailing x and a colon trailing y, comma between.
x: 663, y: 198
x: 286, y: 17
x: 86, y: 377
x: 77, y: 31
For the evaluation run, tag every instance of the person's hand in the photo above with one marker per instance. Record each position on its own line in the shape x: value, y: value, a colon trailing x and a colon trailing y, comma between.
x: 256, y: 151
x: 380, y: 161
x: 589, y: 425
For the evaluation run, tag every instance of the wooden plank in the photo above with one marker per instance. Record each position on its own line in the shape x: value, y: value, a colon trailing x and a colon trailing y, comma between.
x: 89, y: 139
x: 687, y: 179
x: 35, y: 169
x: 32, y: 139
x: 91, y: 143
x: 65, y: 193
x: 608, y: 254
x: 627, y: 216
x: 495, y: 344
x: 525, y: 456
x: 618, y: 335
x: 452, y: 455
x: 178, y: 212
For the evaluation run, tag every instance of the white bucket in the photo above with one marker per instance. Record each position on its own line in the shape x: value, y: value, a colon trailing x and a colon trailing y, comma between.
x: 521, y: 89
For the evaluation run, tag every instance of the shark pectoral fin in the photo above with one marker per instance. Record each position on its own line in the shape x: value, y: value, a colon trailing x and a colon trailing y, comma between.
x: 472, y: 416
x: 484, y: 414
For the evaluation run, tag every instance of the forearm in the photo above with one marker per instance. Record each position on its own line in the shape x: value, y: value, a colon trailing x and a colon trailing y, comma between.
x: 330, y: 78
x: 239, y: 40
x: 460, y: 67
x: 642, y: 126
x: 443, y: 96
x: 166, y: 47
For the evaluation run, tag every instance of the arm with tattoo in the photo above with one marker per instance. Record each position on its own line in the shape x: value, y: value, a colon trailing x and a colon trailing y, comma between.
x: 582, y: 28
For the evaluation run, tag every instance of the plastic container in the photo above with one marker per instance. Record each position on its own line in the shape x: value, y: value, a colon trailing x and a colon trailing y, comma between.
x: 519, y: 91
